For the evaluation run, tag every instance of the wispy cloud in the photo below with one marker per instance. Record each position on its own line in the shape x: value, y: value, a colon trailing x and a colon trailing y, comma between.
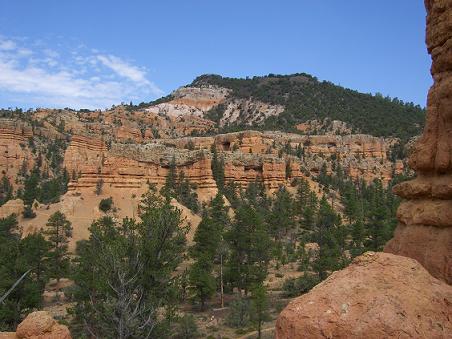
x: 123, y: 69
x: 6, y: 45
x: 78, y: 77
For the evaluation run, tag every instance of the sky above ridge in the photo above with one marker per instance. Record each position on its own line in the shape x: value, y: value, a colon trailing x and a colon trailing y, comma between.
x: 96, y: 53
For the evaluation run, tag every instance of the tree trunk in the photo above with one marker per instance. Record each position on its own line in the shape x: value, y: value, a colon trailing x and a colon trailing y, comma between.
x: 221, y: 282
x: 202, y: 303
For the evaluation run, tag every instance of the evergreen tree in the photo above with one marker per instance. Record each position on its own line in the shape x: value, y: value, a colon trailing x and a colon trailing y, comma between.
x: 249, y: 244
x: 58, y: 232
x: 309, y: 213
x: 288, y: 170
x: 134, y: 278
x: 302, y: 195
x: 31, y: 187
x: 202, y: 280
x: 330, y: 255
x: 179, y: 187
x: 282, y: 221
x: 6, y: 190
x: 281, y: 217
x: 217, y: 168
x: 259, y: 307
x: 35, y: 255
x: 17, y: 257
x: 185, y: 193
x: 187, y: 328
x: 171, y: 179
x: 207, y: 241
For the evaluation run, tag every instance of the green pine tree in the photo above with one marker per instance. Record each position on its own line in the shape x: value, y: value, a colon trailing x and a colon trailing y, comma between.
x: 259, y: 307
x: 58, y: 232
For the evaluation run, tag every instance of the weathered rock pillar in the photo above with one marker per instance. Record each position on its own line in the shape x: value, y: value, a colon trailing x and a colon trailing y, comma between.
x: 425, y: 217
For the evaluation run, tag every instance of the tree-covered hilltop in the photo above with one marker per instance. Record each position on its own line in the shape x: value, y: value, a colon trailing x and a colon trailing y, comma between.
x: 305, y: 98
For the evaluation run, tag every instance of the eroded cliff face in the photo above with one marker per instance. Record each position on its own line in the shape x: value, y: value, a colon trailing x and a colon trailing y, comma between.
x: 22, y: 147
x: 248, y: 156
x: 425, y: 220
x: 14, y: 150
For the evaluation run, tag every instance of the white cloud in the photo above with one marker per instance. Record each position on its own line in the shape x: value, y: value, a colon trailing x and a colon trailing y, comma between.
x: 48, y: 78
x: 123, y: 69
x: 7, y: 45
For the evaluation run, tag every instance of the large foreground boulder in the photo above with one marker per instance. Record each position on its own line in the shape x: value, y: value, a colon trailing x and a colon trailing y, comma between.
x: 38, y: 325
x: 379, y: 295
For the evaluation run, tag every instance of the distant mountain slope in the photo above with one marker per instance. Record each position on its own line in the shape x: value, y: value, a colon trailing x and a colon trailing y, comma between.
x: 305, y: 98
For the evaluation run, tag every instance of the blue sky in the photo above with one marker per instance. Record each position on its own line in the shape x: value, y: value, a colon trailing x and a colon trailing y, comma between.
x: 95, y: 53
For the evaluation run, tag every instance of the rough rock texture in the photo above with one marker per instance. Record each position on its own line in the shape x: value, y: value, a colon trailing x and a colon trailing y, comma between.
x: 249, y: 112
x: 191, y: 101
x: 248, y: 156
x: 38, y: 325
x: 379, y: 295
x: 12, y: 207
x: 14, y: 150
x: 425, y: 218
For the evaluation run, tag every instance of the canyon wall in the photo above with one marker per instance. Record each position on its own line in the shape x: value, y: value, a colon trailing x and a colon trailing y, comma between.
x: 248, y: 156
x: 14, y: 147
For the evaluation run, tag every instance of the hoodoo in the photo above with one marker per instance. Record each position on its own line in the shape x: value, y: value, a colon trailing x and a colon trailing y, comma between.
x: 425, y: 220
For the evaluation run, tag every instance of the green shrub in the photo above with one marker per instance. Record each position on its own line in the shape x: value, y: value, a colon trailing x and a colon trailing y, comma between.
x: 28, y: 212
x: 297, y: 286
x: 186, y: 328
x: 106, y: 204
x: 239, y: 313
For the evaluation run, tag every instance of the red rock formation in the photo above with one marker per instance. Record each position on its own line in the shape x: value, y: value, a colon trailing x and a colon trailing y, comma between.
x: 38, y: 325
x: 12, y: 207
x: 132, y: 165
x: 425, y: 220
x: 379, y: 295
x: 14, y: 150
x: 248, y: 156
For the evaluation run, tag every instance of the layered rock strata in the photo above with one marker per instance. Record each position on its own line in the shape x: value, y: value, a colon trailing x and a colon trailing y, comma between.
x: 248, y: 156
x: 14, y: 150
x: 425, y: 218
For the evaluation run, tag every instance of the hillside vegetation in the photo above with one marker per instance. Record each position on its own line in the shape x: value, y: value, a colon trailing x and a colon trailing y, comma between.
x: 305, y: 98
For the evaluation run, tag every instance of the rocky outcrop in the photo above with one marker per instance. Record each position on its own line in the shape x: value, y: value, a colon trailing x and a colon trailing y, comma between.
x: 38, y: 325
x: 327, y: 126
x: 248, y: 156
x: 361, y: 156
x: 248, y: 112
x: 14, y: 150
x: 197, y: 100
x: 132, y: 165
x: 379, y: 295
x: 12, y: 207
x: 425, y: 220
